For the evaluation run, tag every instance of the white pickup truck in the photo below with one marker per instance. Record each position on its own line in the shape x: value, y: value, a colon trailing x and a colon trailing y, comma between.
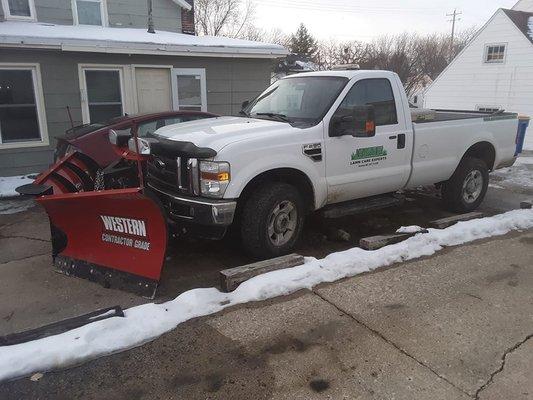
x: 329, y: 141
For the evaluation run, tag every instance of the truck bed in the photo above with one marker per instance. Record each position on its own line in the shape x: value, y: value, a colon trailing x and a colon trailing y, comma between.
x: 439, y: 144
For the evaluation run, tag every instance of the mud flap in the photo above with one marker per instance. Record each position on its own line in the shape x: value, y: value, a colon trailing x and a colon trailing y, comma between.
x: 114, y: 237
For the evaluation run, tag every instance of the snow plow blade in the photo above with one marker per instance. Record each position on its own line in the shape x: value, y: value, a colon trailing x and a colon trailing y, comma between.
x: 76, y: 172
x: 113, y: 237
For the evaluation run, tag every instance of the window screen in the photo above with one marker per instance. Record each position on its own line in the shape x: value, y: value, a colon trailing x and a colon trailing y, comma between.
x: 189, y: 92
x: 374, y: 92
x: 495, y: 53
x: 89, y: 12
x: 103, y: 94
x: 19, y: 8
x: 19, y: 120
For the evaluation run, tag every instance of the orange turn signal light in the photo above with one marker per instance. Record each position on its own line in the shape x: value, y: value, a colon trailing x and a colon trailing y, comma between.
x: 213, y: 176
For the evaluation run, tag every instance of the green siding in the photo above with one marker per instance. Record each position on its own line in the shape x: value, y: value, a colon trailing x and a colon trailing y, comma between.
x: 230, y: 81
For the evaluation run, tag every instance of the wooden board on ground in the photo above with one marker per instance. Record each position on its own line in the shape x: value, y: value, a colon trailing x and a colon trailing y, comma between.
x: 449, y: 221
x: 379, y: 241
x: 233, y: 277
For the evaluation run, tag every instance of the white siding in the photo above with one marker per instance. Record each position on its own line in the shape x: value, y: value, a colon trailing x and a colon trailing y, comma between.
x: 470, y: 82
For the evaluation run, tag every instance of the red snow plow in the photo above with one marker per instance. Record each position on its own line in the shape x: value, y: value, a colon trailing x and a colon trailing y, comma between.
x: 104, y: 226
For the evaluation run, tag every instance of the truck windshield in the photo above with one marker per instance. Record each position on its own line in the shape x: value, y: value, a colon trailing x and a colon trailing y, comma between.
x: 299, y: 100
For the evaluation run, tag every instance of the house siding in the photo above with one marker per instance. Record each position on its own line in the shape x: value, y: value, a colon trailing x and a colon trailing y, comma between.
x: 54, y: 11
x: 121, y: 13
x: 229, y: 82
x: 469, y: 82
x: 133, y: 14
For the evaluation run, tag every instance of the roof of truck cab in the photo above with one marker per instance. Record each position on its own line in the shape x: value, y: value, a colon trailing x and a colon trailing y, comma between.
x: 341, y: 73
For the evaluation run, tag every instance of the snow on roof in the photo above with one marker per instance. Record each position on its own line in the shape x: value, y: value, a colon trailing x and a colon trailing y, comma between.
x: 129, y: 41
x: 183, y: 4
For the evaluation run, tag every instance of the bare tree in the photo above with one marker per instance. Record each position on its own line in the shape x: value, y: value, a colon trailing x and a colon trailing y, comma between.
x: 223, y: 17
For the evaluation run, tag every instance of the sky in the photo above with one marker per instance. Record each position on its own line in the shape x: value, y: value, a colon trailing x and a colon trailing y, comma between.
x: 365, y: 20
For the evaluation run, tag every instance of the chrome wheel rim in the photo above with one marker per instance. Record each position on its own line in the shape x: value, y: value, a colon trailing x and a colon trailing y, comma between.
x: 472, y: 186
x: 282, y: 223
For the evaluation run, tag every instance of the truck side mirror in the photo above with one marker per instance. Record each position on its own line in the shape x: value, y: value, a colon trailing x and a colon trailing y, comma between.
x: 359, y: 123
x: 245, y: 104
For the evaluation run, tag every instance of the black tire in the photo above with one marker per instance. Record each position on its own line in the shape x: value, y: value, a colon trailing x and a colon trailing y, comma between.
x: 257, y: 216
x: 454, y: 193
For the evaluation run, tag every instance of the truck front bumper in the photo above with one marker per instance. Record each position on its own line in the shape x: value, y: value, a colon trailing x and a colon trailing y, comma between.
x: 196, y: 211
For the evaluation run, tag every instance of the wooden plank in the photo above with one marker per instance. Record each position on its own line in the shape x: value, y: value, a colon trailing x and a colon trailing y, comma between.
x: 361, y: 206
x: 379, y: 241
x: 233, y: 277
x: 526, y: 204
x: 449, y: 221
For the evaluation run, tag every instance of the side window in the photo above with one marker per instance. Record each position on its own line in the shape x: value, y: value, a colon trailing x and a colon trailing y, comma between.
x: 174, y: 120
x: 372, y: 92
x: 146, y: 128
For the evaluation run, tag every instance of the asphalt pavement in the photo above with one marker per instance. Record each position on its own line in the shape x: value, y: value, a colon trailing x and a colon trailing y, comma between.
x: 455, y: 325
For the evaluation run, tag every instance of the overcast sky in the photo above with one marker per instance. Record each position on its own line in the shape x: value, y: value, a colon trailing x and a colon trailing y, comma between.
x: 366, y: 19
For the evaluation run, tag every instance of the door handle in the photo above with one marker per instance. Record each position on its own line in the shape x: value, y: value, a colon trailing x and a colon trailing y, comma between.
x: 401, y: 141
x: 393, y: 137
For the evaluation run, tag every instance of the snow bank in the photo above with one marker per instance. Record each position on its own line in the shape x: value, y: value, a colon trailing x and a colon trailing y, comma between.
x: 146, y: 322
x: 8, y: 184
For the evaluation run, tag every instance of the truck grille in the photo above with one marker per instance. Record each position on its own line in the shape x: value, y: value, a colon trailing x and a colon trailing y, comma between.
x: 175, y: 174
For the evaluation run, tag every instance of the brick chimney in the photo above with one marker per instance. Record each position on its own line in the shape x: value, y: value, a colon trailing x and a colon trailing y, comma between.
x: 187, y: 19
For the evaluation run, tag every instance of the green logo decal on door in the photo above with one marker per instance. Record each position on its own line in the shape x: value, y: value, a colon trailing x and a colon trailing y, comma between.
x: 368, y: 156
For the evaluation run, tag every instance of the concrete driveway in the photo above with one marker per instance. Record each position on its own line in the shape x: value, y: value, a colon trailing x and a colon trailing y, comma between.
x: 454, y: 326
x: 451, y: 326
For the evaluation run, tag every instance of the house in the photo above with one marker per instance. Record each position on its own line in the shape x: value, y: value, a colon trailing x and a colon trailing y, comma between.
x: 494, y: 71
x: 416, y: 95
x: 97, y: 58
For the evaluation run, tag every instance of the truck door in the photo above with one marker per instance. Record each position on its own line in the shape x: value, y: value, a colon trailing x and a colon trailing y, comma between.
x: 358, y: 167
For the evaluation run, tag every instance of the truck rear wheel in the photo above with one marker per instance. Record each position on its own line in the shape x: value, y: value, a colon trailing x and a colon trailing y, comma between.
x: 467, y: 187
x: 272, y: 220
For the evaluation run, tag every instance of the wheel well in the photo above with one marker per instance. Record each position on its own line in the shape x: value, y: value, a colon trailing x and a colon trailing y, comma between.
x: 483, y: 151
x: 291, y: 176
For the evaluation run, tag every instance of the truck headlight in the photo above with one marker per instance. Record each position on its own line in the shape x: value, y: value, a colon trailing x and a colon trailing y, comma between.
x: 214, y: 178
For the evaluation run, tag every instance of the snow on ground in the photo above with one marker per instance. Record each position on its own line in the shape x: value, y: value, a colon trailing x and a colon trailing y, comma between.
x: 148, y: 321
x: 8, y: 184
x: 410, y: 229
x: 519, y: 175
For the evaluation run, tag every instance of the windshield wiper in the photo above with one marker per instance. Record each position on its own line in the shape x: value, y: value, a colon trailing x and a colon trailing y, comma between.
x: 280, y: 117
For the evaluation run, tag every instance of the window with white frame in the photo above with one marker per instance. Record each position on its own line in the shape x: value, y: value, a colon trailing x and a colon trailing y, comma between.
x: 22, y: 120
x: 89, y: 12
x: 103, y: 88
x: 495, y: 53
x: 19, y: 9
x: 189, y: 89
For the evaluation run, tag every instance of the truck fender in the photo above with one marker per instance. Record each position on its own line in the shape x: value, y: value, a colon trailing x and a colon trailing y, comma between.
x: 317, y: 182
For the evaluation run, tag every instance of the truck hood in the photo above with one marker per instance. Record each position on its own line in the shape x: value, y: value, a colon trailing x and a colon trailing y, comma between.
x: 217, y: 133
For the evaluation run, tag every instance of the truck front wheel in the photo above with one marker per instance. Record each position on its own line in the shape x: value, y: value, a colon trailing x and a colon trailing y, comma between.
x: 272, y: 220
x: 467, y: 187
